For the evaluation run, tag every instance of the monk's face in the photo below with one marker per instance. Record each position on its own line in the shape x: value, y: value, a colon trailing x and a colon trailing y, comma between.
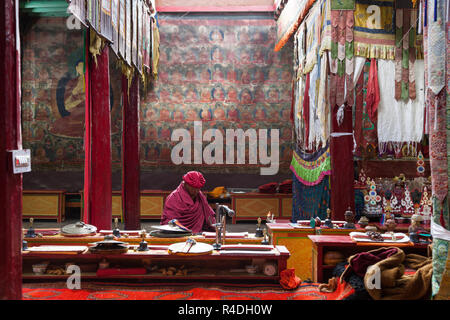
x: 191, y: 190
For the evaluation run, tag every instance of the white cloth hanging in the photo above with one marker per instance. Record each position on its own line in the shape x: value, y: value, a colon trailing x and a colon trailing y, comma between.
x: 399, y: 121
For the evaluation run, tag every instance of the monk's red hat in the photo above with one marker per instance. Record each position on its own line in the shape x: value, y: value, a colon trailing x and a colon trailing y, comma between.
x: 194, y: 179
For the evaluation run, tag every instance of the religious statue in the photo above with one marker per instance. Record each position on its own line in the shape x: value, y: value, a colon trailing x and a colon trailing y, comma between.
x: 349, y: 219
x: 259, y: 232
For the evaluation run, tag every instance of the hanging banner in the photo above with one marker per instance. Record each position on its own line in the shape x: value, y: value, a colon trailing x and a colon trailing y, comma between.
x: 146, y: 49
x: 115, y: 26
x: 105, y: 20
x: 139, y: 35
x: 122, y: 28
x: 374, y: 29
x: 78, y: 9
x: 93, y: 14
x: 155, y: 47
x: 128, y: 33
x: 290, y: 18
x: 134, y: 23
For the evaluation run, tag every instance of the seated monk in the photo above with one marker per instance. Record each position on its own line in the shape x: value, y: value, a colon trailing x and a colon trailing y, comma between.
x: 189, y: 206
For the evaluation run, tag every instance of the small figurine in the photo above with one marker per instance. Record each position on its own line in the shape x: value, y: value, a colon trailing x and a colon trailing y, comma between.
x: 349, y: 219
x: 363, y: 221
x: 259, y: 231
x: 328, y: 223
x: 116, y: 231
x: 30, y: 231
x: 266, y: 238
x: 143, y: 246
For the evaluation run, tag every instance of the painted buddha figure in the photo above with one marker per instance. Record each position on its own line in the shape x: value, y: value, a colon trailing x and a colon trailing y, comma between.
x: 70, y: 99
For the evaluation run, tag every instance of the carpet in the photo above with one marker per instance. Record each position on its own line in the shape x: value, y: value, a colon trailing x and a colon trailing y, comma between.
x: 58, y: 291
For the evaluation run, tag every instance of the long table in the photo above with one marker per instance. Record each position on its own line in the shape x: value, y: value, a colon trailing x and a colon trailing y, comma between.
x: 224, y: 265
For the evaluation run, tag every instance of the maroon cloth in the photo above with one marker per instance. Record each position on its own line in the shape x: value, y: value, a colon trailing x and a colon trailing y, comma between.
x: 373, y: 91
x: 268, y: 188
x: 196, y: 215
x: 194, y: 179
x: 361, y: 261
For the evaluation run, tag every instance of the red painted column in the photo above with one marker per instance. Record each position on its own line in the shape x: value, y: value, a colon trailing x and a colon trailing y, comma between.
x: 342, y: 171
x: 10, y: 139
x: 98, y: 194
x: 130, y: 154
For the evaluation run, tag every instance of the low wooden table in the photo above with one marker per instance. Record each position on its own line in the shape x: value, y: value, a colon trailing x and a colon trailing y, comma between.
x: 58, y: 239
x: 224, y: 265
x: 344, y: 244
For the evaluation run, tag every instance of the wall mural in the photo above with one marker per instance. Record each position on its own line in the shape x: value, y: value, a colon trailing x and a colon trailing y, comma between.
x: 222, y: 72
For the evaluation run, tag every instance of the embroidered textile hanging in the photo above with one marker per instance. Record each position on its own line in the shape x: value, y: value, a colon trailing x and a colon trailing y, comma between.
x: 341, y: 57
x: 313, y: 27
x: 405, y: 53
x: 399, y: 121
x: 325, y: 33
x: 436, y: 45
x: 311, y: 169
x: 310, y: 201
x: 374, y: 31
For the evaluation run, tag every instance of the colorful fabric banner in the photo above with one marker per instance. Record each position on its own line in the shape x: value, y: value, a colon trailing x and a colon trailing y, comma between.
x: 122, y: 28
x: 325, y: 32
x: 105, y: 20
x: 311, y: 169
x: 115, y: 26
x: 436, y: 45
x: 374, y: 32
x: 310, y: 201
x: 290, y: 18
x: 313, y: 26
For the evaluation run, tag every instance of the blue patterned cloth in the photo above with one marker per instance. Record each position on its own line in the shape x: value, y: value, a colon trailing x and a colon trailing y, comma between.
x: 310, y: 201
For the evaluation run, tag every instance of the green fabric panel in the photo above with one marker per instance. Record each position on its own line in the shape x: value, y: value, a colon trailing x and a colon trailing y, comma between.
x: 349, y: 50
x: 341, y: 68
x: 398, y: 36
x: 405, y: 59
x: 405, y: 91
x: 334, y: 50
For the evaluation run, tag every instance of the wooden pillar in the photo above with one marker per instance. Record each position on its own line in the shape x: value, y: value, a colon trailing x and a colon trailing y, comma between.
x: 10, y: 139
x: 98, y: 180
x: 342, y: 171
x: 130, y: 154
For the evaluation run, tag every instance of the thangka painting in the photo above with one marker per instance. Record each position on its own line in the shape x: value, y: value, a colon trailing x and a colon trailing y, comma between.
x: 223, y: 73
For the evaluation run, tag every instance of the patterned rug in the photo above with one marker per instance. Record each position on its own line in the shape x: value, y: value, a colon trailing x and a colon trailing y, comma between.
x: 90, y: 291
